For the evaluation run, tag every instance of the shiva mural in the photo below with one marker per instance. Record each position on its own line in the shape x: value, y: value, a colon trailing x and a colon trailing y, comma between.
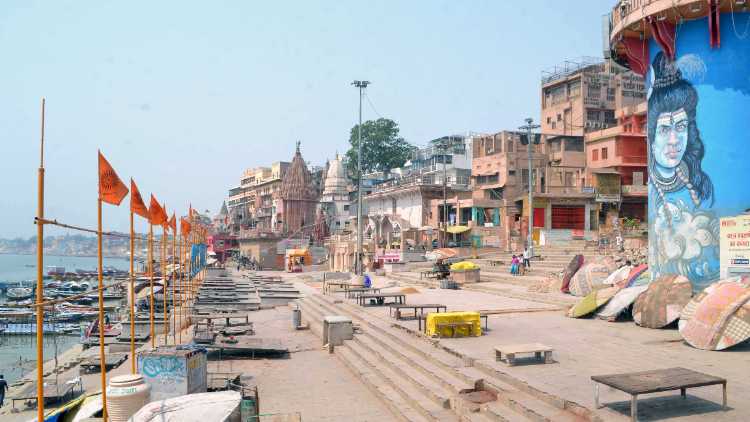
x: 698, y: 125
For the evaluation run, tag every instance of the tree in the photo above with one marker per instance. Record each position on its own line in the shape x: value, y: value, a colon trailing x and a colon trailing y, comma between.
x: 382, y: 148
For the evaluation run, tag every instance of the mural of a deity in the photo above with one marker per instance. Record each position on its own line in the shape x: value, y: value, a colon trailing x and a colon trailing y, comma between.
x: 685, y: 231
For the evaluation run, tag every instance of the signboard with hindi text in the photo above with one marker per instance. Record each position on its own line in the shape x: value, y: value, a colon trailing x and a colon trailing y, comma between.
x: 734, y: 245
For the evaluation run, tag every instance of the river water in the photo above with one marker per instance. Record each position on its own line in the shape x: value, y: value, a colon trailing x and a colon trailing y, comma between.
x: 18, y: 353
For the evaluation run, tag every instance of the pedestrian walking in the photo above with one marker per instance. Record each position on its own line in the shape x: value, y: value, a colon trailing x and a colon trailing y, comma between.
x: 514, y: 265
x: 526, y: 257
x: 3, y: 389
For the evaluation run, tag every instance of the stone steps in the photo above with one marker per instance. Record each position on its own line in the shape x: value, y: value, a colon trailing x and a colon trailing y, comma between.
x: 409, y: 401
x: 428, y: 378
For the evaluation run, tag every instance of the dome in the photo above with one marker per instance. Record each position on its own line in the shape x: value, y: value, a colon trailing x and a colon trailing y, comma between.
x: 335, y: 183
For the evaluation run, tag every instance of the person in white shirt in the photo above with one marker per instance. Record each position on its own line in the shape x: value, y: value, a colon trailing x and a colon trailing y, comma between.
x: 526, y: 256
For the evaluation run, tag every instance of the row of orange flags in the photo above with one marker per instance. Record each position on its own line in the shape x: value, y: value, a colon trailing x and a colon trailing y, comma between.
x: 112, y: 191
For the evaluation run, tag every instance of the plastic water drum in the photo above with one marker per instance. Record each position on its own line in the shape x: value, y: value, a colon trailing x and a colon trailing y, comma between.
x: 126, y: 394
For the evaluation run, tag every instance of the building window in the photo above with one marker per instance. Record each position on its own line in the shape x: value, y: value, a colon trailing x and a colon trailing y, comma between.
x: 592, y: 115
x: 553, y: 125
x: 549, y: 120
x: 559, y: 117
x: 604, y: 153
x: 594, y: 155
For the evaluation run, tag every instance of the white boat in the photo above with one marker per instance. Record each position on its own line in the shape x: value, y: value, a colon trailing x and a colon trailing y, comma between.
x: 19, y: 293
x: 54, y: 270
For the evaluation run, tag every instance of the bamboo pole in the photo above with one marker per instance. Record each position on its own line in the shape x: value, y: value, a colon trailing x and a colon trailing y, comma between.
x: 151, y: 281
x: 40, y: 280
x: 164, y: 281
x: 174, y: 281
x: 102, y: 360
x: 132, y: 295
x: 182, y: 270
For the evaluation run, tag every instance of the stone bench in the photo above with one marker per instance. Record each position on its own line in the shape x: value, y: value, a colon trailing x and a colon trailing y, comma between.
x: 511, y: 350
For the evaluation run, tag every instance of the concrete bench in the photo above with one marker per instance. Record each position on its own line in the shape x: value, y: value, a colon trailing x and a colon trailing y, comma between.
x: 511, y: 350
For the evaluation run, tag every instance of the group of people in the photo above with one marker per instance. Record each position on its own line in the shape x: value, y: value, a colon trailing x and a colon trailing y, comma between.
x: 520, y: 263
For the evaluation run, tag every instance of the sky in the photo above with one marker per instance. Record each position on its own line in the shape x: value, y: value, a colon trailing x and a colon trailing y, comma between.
x: 184, y: 95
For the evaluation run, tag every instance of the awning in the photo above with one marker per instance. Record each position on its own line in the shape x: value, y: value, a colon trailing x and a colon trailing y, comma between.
x: 458, y: 229
x: 605, y: 170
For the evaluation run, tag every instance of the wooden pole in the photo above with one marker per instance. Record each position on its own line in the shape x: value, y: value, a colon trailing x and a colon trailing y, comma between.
x: 164, y: 280
x: 151, y: 281
x: 40, y: 280
x: 182, y: 270
x: 102, y: 360
x: 174, y: 281
x: 132, y: 295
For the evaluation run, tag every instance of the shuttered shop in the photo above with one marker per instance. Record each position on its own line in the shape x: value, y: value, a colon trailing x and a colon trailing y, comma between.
x: 568, y: 217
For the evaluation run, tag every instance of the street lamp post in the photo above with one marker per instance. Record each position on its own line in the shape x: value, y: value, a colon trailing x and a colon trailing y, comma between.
x: 362, y: 85
x: 528, y: 127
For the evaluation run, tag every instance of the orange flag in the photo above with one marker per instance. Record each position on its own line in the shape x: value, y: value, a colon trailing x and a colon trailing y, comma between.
x: 184, y: 226
x: 165, y: 222
x: 173, y: 224
x: 136, y: 201
x: 111, y: 188
x: 156, y: 215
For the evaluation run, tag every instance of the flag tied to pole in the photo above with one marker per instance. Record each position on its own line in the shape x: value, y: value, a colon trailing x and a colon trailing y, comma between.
x: 184, y: 226
x: 156, y: 214
x: 173, y: 224
x: 111, y: 188
x: 136, y: 201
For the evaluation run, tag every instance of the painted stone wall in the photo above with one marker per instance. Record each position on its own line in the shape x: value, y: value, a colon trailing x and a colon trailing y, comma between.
x: 699, y: 141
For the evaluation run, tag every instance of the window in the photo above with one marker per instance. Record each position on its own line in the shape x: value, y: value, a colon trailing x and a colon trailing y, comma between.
x: 549, y: 120
x: 559, y: 117
x: 553, y: 125
x: 511, y: 172
x: 492, y: 178
x: 594, y: 155
x: 604, y: 153
x: 592, y: 115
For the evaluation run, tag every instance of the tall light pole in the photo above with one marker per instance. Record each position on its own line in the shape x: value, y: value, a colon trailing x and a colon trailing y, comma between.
x: 528, y: 127
x: 362, y: 85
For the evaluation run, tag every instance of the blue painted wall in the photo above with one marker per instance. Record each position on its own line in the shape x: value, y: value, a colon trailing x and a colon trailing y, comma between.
x: 685, y: 199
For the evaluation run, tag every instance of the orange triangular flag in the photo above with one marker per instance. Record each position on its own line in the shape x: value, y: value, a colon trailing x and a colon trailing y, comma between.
x: 136, y: 201
x: 165, y: 217
x: 173, y: 224
x: 184, y: 226
x: 155, y: 213
x: 111, y: 188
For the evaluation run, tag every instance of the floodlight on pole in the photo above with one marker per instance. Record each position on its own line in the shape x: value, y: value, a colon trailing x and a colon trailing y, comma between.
x: 528, y: 127
x: 361, y: 85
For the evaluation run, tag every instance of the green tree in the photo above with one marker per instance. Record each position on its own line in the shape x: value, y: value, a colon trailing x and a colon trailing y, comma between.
x: 382, y: 147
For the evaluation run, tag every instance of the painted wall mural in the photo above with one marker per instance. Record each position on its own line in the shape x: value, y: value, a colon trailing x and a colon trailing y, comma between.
x: 698, y: 133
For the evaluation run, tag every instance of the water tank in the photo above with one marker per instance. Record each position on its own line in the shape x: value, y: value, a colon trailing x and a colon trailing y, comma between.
x: 126, y: 394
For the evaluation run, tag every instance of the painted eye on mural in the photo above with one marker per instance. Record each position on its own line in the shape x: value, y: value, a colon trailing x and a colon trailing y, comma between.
x: 664, y: 129
x: 681, y: 126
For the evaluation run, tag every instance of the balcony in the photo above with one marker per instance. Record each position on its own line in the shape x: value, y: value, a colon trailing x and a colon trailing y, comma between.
x: 630, y: 14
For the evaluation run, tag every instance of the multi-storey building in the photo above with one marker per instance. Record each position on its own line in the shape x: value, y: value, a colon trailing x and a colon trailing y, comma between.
x: 251, y: 204
x: 617, y: 165
x: 399, y: 209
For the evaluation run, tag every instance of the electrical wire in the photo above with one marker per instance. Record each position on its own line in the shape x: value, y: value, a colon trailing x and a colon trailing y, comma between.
x: 372, y: 106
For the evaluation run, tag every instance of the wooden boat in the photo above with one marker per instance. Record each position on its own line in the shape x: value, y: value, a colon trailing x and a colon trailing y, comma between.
x: 19, y: 293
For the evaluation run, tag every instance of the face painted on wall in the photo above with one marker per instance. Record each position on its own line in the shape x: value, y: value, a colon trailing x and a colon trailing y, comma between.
x: 670, y: 140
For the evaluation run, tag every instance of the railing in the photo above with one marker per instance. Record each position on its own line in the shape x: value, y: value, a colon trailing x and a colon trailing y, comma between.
x: 627, y: 12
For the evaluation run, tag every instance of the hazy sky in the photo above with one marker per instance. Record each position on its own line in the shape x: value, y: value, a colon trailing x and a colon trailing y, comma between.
x: 184, y: 95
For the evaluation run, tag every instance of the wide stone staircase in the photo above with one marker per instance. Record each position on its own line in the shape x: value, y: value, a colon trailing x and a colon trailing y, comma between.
x: 420, y: 381
x: 496, y: 279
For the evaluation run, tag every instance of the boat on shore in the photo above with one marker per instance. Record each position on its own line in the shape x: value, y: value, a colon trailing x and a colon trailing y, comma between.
x: 19, y: 293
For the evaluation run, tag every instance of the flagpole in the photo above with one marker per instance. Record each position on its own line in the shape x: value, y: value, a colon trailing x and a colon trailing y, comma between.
x: 179, y: 310
x: 164, y: 280
x: 174, y: 281
x: 40, y: 280
x: 132, y: 295
x: 151, y: 277
x: 102, y: 361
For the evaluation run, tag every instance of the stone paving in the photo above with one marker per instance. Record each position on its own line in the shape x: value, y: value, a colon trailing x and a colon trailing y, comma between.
x: 586, y: 347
